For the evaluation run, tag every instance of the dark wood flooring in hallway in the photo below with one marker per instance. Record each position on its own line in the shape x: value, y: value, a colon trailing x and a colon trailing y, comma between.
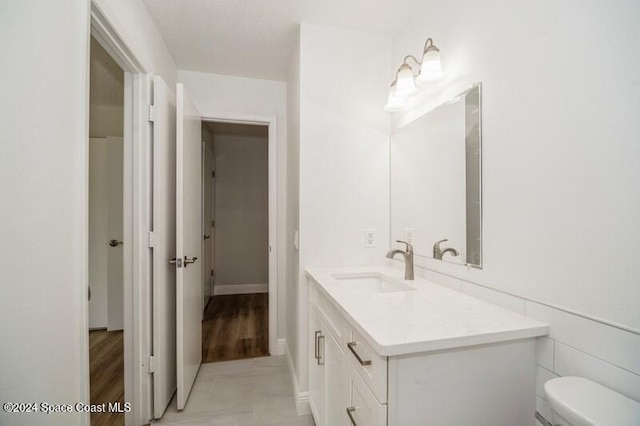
x: 236, y: 327
x: 106, y: 360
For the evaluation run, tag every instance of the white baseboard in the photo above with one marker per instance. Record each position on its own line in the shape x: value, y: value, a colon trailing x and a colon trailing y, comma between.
x: 223, y: 289
x: 301, y: 398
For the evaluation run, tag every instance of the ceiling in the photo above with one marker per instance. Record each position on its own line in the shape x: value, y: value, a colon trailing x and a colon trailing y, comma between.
x: 255, y: 38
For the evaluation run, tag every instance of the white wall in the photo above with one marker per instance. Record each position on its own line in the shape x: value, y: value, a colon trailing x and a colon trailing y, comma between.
x: 293, y: 205
x: 560, y: 170
x: 43, y: 173
x: 106, y: 94
x: 242, y: 209
x: 106, y: 121
x: 344, y: 155
x: 559, y: 128
x: 43, y: 213
x: 215, y: 94
x: 135, y: 26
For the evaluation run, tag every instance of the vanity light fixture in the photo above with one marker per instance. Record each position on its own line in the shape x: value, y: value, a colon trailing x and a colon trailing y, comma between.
x: 396, y: 102
x: 431, y: 66
x: 405, y: 83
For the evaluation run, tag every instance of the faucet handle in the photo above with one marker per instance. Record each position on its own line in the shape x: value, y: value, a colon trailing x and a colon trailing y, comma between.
x: 408, y: 245
x: 437, y: 243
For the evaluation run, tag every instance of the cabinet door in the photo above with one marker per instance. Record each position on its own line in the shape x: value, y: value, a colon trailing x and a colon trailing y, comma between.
x: 316, y: 369
x: 336, y: 397
x: 364, y: 409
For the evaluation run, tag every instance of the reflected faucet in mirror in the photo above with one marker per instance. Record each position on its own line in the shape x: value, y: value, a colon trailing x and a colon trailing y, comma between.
x: 408, y: 259
x: 438, y: 252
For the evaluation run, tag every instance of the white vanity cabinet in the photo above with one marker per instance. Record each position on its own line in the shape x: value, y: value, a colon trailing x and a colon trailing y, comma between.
x: 343, y: 370
x: 327, y: 381
x: 352, y: 384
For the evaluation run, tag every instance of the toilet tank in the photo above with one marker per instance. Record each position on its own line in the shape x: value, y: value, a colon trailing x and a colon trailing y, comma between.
x: 576, y: 401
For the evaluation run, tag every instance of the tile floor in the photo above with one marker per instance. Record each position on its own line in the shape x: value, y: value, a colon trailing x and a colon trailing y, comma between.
x: 250, y: 392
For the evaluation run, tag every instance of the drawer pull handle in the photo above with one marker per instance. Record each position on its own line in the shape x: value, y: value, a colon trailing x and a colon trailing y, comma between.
x: 352, y: 346
x: 349, y: 411
x: 316, y: 345
x: 321, y: 353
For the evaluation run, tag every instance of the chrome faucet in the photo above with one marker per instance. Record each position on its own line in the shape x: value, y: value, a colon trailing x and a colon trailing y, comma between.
x: 408, y: 259
x: 438, y: 252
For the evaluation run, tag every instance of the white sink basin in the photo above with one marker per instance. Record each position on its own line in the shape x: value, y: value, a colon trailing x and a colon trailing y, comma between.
x: 371, y: 283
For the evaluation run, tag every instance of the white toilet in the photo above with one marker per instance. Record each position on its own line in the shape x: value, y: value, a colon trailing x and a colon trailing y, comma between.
x: 576, y: 401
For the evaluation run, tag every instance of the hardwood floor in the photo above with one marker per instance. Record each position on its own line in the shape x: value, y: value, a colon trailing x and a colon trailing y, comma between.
x: 106, y: 359
x: 236, y: 327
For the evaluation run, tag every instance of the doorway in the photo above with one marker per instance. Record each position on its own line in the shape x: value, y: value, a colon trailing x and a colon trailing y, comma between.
x: 236, y: 241
x: 106, y: 236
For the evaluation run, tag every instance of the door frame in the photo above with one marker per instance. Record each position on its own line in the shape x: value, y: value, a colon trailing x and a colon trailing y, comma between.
x: 205, y: 273
x: 271, y: 122
x: 136, y: 221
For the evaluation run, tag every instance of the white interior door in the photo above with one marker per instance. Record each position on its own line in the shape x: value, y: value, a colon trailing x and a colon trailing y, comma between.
x: 188, y: 243
x: 98, y: 232
x: 164, y: 247
x: 106, y: 306
x: 115, y: 258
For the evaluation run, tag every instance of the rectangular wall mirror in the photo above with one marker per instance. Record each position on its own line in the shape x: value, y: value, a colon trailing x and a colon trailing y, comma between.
x: 436, y: 181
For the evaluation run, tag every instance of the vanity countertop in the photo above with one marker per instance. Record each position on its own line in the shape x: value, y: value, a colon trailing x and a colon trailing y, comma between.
x: 432, y: 317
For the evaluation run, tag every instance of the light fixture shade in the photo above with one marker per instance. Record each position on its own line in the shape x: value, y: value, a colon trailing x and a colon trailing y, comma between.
x: 431, y: 68
x: 405, y: 85
x: 395, y: 102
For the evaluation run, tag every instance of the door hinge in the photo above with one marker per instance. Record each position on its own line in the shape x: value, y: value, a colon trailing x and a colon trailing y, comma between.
x: 152, y: 240
x: 151, y: 116
x: 212, y: 272
x: 213, y: 174
x: 152, y: 364
x: 213, y: 223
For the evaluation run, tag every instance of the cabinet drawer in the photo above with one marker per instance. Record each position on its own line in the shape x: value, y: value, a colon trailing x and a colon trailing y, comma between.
x: 371, y: 366
x: 336, y: 324
x: 365, y: 410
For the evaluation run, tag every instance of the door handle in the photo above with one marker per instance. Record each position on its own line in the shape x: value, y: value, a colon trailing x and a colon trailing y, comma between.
x: 188, y: 261
x: 115, y: 243
x: 206, y: 237
x: 176, y: 261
